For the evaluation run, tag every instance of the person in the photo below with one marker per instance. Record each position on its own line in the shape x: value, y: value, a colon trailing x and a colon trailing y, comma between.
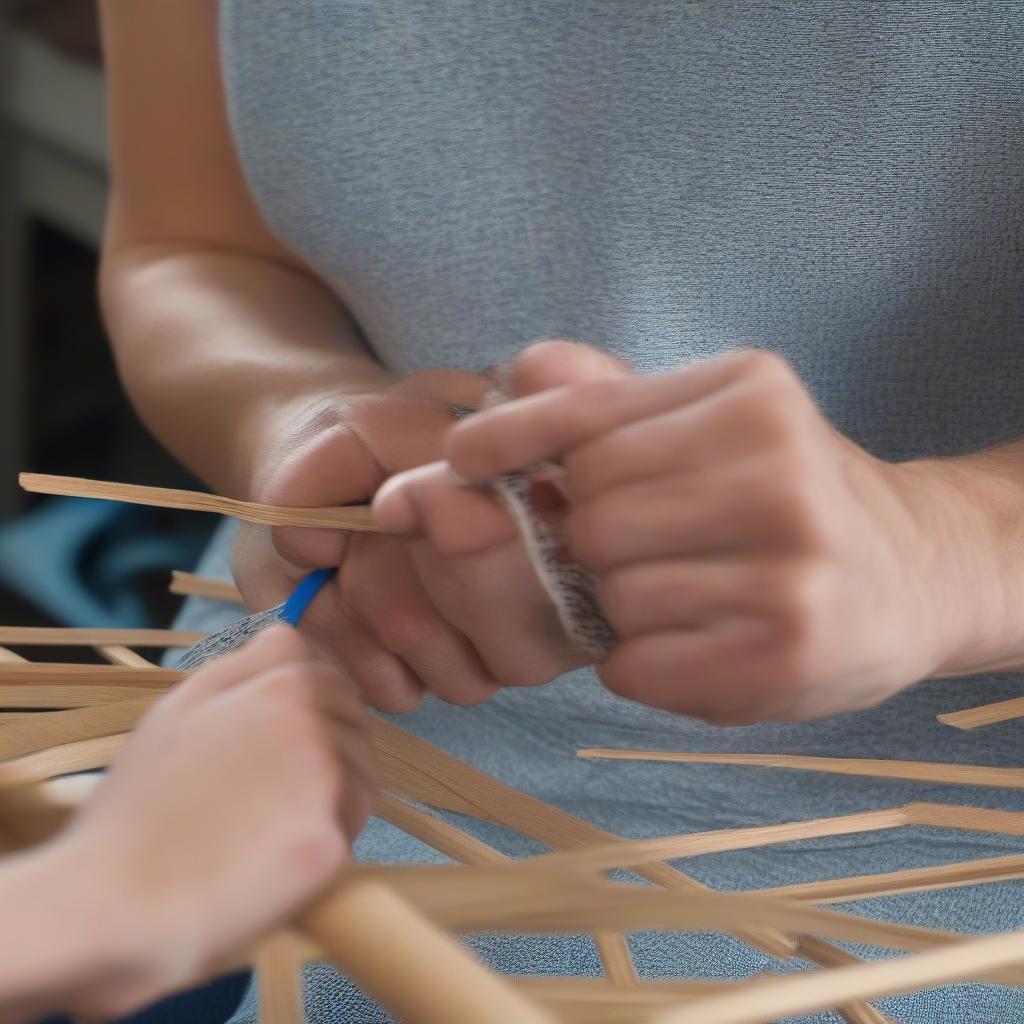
x: 156, y: 880
x: 328, y: 222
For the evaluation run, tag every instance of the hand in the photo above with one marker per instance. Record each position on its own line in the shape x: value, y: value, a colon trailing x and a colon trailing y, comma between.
x: 755, y: 564
x: 230, y: 808
x: 400, y: 617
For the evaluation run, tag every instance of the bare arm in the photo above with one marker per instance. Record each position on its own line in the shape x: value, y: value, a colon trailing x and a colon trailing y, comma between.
x: 219, y: 331
x: 187, y: 853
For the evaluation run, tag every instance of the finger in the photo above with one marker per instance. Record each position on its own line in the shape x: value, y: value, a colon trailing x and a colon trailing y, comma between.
x: 556, y: 363
x: 712, y: 674
x: 384, y: 591
x: 276, y: 645
x: 518, y: 434
x: 455, y: 519
x: 656, y: 596
x: 729, y: 424
x: 738, y: 508
x: 384, y: 681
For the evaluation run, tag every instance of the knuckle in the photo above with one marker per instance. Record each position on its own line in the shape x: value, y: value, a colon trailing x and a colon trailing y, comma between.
x: 318, y: 848
x: 538, y: 358
x: 801, y: 513
x: 761, y: 364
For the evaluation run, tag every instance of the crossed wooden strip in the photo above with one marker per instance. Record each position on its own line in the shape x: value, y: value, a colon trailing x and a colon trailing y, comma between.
x: 441, y: 780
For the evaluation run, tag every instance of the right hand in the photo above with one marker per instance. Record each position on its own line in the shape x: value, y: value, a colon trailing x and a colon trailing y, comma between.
x: 230, y: 808
x: 401, y: 618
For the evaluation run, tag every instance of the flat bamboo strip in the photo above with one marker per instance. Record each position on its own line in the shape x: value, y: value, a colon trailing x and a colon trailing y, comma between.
x: 58, y: 636
x: 594, y: 1001
x: 80, y: 756
x: 50, y: 729
x: 43, y: 673
x: 630, y: 853
x: 516, y: 900
x: 976, y: 819
x: 815, y: 951
x: 9, y: 657
x: 467, y: 849
x: 76, y: 695
x: 417, y: 769
x: 943, y: 876
x: 188, y: 584
x: 418, y: 973
x: 984, y: 714
x: 6, y: 717
x: 118, y: 655
x: 800, y: 994
x: 436, y: 832
x: 444, y: 781
x: 921, y: 771
x: 279, y: 974
x: 353, y: 517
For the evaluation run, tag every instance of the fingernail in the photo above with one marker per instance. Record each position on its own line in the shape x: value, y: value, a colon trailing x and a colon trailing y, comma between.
x: 392, y: 510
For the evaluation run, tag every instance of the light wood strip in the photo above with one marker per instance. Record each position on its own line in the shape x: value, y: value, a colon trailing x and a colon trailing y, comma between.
x: 354, y: 517
x: 58, y: 636
x: 628, y: 853
x: 279, y: 976
x: 49, y: 729
x: 188, y: 584
x: 80, y: 756
x: 9, y: 657
x: 793, y: 996
x: 975, y: 819
x: 984, y: 714
x: 520, y: 901
x: 467, y: 849
x: 943, y: 876
x: 76, y: 695
x: 118, y: 655
x: 418, y: 973
x: 42, y: 673
x: 821, y: 953
x: 920, y: 771
x: 417, y: 769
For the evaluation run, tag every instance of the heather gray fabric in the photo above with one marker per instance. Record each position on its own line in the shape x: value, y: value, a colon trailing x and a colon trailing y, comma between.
x: 841, y: 183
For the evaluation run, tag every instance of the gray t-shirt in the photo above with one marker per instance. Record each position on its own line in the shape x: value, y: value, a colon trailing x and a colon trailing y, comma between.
x: 840, y: 183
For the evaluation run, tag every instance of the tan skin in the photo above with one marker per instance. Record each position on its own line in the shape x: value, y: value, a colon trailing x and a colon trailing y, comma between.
x: 188, y: 852
x: 755, y: 564
x: 244, y: 363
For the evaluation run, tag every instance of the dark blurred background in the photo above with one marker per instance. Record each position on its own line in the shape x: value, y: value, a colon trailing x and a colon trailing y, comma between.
x: 66, y: 561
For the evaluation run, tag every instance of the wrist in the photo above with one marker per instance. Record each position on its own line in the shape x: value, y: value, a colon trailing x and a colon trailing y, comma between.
x: 966, y: 512
x: 74, y: 952
x: 127, y: 950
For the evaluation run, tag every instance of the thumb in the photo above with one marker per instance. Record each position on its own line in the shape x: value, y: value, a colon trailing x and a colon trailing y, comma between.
x: 553, y: 364
x: 335, y: 468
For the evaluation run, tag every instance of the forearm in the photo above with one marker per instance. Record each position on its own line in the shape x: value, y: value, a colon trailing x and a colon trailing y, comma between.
x: 60, y: 937
x: 223, y: 353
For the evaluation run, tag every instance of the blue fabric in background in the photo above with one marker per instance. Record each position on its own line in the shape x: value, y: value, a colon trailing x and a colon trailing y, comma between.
x: 82, y: 561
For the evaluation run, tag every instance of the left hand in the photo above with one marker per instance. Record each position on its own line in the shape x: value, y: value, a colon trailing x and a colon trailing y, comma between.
x: 755, y: 564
